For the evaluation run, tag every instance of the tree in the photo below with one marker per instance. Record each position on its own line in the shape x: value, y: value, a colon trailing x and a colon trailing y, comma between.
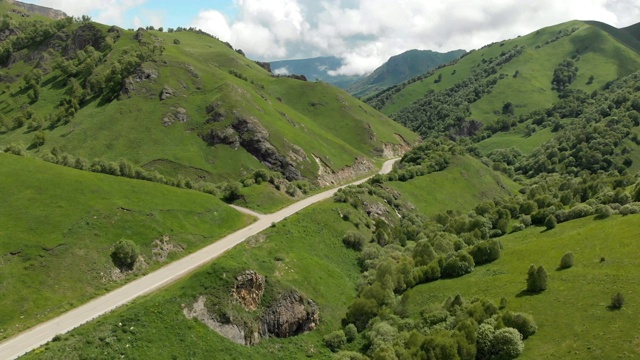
x: 506, y: 343
x: 335, y: 340
x: 536, y: 279
x: 550, y: 222
x: 125, y: 254
x: 354, y: 240
x: 566, y: 261
x: 617, y: 300
x: 38, y: 139
x: 350, y: 332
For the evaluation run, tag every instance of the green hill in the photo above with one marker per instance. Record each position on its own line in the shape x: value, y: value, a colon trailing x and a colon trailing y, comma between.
x: 178, y: 102
x: 59, y: 226
x: 513, y: 76
x: 315, y: 68
x: 400, y: 68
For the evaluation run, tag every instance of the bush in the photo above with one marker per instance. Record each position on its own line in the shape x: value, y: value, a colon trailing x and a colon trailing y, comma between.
x: 617, y: 300
x: 350, y: 332
x: 566, y: 261
x: 506, y: 343
x: 522, y: 322
x: 485, y: 252
x: 125, y: 254
x: 459, y: 264
x: 335, y: 340
x: 536, y: 279
x: 354, y: 240
x: 550, y: 222
x: 603, y: 211
x: 176, y: 41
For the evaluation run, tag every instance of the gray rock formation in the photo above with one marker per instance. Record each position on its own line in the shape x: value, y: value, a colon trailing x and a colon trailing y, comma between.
x: 40, y: 10
x: 291, y: 315
x: 249, y: 289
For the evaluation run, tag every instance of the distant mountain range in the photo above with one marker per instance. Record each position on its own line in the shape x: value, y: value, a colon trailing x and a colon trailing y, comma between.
x: 396, y: 70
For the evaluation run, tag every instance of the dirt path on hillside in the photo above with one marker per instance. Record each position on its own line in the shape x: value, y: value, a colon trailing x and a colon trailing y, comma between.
x: 43, y: 333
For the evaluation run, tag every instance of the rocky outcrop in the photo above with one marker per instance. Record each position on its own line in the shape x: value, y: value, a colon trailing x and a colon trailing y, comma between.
x: 85, y: 35
x: 215, y: 113
x: 177, y: 114
x: 291, y: 315
x: 166, y: 93
x: 326, y: 176
x: 40, y: 10
x: 233, y: 332
x: 248, y: 132
x: 139, y: 76
x: 248, y: 289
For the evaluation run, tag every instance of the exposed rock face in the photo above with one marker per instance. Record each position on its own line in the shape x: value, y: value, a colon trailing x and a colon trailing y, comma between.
x: 177, y: 114
x: 326, y: 176
x: 140, y: 75
x: 85, y: 35
x: 40, y: 10
x: 231, y: 331
x: 249, y: 289
x: 166, y: 93
x: 253, y: 137
x: 289, y: 316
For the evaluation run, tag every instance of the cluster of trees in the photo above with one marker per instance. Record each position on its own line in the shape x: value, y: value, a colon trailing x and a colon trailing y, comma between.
x: 564, y: 74
x: 446, y: 111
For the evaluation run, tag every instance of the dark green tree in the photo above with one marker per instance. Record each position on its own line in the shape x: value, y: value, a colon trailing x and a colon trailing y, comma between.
x: 125, y: 253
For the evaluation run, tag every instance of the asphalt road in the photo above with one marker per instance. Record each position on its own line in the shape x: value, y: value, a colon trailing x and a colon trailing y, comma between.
x: 41, y: 334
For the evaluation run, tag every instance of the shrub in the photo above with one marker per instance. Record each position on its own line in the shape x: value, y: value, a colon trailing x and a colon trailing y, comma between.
x: 459, y: 264
x: 566, y: 261
x: 506, y: 343
x: 350, y: 332
x: 617, y: 300
x: 536, y: 279
x: 522, y: 322
x: 603, y: 211
x: 354, y: 240
x: 335, y: 340
x: 176, y: 41
x: 485, y: 252
x: 550, y: 222
x: 526, y: 220
x: 125, y: 254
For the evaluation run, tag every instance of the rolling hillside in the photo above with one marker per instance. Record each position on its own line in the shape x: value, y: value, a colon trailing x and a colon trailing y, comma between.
x: 400, y: 68
x: 518, y: 72
x: 59, y: 227
x: 178, y: 102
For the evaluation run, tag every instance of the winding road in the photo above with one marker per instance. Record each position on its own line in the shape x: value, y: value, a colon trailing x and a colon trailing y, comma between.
x: 41, y: 334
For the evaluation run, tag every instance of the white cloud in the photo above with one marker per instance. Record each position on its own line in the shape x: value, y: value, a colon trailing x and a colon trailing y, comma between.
x: 108, y: 11
x: 281, y: 71
x: 365, y: 33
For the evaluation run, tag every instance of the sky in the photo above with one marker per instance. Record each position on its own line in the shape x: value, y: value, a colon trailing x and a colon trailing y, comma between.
x: 364, y: 33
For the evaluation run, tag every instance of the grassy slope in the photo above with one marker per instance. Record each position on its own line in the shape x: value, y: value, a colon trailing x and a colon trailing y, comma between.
x: 572, y: 315
x: 132, y: 128
x: 61, y: 223
x: 307, y: 255
x: 304, y: 251
x: 601, y: 56
x: 465, y: 183
x: 516, y: 139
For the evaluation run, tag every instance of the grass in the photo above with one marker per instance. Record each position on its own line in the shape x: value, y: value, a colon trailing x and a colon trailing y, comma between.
x: 516, y: 139
x: 264, y: 198
x: 465, y: 183
x: 301, y: 118
x: 58, y: 226
x: 307, y: 255
x: 572, y: 315
x: 602, y: 55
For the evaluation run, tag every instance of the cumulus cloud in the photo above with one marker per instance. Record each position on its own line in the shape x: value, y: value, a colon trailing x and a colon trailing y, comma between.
x: 107, y: 11
x: 365, y: 33
x: 281, y: 71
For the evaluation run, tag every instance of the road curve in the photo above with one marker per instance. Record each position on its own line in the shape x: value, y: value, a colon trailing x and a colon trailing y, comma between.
x: 44, y: 332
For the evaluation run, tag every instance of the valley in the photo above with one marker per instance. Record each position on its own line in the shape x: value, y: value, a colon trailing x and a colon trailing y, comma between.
x: 164, y: 195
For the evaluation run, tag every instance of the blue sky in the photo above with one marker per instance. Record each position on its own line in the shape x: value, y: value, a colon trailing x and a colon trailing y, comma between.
x: 364, y: 33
